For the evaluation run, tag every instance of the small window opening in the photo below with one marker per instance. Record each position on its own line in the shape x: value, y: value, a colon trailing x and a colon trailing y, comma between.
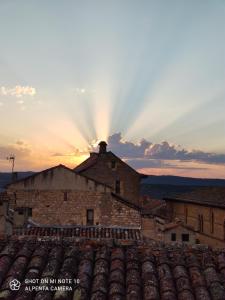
x: 90, y: 216
x: 185, y: 237
x: 65, y: 196
x: 117, y: 187
x: 173, y: 237
x: 113, y: 165
x: 20, y: 211
x: 29, y: 212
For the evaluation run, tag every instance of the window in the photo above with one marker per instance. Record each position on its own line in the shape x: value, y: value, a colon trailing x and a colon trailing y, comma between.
x: 185, y: 237
x: 90, y: 216
x: 186, y: 215
x: 200, y: 223
x: 20, y: 211
x: 65, y: 196
x: 15, y: 197
x: 117, y: 187
x: 29, y: 212
x: 113, y: 165
x: 224, y: 230
x: 212, y: 222
x: 173, y: 237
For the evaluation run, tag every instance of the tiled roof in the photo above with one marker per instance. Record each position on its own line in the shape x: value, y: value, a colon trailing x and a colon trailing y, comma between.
x: 207, y: 196
x: 172, y: 225
x: 125, y: 201
x: 151, y: 206
x: 113, y: 273
x: 86, y: 164
x: 90, y: 232
x: 92, y: 160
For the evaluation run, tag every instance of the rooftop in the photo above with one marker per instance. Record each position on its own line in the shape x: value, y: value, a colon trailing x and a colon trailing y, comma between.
x: 113, y: 273
x: 207, y: 196
x: 173, y: 225
x: 85, y: 232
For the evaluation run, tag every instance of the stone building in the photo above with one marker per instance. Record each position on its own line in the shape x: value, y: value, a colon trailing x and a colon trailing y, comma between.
x: 176, y: 232
x: 60, y: 196
x: 204, y: 210
x: 6, y: 221
x: 109, y: 169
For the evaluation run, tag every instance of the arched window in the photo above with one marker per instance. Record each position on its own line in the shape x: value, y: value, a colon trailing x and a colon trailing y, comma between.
x: 117, y: 187
x: 224, y: 230
x: 200, y: 223
x: 212, y: 222
x: 186, y: 214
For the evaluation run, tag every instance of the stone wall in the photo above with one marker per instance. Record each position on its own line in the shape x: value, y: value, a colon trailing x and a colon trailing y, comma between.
x: 58, y: 178
x: 213, y: 227
x: 103, y: 171
x: 5, y: 220
x: 149, y: 228
x: 50, y: 207
x: 179, y: 231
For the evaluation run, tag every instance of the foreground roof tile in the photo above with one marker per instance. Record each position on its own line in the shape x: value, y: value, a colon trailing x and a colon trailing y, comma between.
x: 112, y: 272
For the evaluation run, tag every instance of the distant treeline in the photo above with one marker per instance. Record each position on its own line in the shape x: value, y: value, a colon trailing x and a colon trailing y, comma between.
x: 177, y: 180
x: 6, y: 178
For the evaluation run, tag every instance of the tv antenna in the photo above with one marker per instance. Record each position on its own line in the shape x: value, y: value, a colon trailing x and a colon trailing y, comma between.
x: 11, y: 159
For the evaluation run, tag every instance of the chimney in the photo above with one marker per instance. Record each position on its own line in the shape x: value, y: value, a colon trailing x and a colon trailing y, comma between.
x: 102, y: 147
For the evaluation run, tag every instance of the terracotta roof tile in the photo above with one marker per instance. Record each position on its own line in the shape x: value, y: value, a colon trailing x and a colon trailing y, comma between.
x: 90, y: 232
x: 86, y: 164
x: 207, y: 196
x: 114, y: 273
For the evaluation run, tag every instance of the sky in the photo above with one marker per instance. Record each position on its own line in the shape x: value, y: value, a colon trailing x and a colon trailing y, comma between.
x: 146, y: 76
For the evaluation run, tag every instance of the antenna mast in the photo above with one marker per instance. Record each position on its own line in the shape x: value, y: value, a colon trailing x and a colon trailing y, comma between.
x: 11, y: 159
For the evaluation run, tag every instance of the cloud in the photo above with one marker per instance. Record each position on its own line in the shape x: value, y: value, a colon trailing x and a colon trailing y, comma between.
x: 143, y: 163
x: 20, y: 149
x: 125, y: 148
x: 167, y: 151
x: 74, y: 153
x: 18, y: 91
x: 148, y: 151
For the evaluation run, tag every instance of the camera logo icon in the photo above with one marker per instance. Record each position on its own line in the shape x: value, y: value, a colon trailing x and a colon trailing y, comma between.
x: 14, y: 285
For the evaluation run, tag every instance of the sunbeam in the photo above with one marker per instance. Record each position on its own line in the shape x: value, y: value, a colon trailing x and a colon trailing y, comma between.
x: 150, y: 71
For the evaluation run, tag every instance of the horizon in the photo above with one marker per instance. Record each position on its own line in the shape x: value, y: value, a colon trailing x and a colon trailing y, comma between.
x: 148, y: 78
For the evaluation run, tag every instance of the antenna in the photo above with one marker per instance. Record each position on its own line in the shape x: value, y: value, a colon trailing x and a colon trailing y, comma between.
x: 11, y: 159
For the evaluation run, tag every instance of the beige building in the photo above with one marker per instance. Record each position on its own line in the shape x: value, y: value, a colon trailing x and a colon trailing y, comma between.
x: 204, y: 210
x: 60, y: 196
x: 177, y: 233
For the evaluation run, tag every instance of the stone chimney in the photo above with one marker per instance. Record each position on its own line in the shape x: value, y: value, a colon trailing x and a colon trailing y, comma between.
x: 102, y: 147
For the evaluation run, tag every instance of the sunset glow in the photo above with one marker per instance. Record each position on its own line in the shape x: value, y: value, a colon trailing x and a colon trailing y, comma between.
x: 81, y: 76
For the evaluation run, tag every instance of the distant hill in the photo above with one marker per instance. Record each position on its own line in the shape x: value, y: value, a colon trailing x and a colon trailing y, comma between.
x: 160, y: 191
x: 6, y: 178
x: 182, y: 181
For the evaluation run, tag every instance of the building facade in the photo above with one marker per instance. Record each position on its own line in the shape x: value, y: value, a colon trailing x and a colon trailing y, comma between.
x: 109, y: 169
x: 178, y: 233
x: 205, y: 212
x: 59, y: 196
x: 6, y: 221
